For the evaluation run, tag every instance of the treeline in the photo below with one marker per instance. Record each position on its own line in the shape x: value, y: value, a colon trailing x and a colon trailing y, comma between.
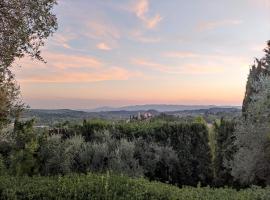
x: 171, y: 152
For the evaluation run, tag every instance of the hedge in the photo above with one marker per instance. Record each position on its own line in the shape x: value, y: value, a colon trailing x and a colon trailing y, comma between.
x: 107, y: 187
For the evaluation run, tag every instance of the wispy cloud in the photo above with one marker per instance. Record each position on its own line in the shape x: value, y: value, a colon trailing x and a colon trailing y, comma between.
x: 103, y: 46
x: 62, y: 68
x: 64, y: 61
x: 204, y: 26
x: 141, y: 9
x: 101, y: 30
x: 61, y: 61
x: 63, y: 39
x: 169, y: 69
x: 207, y: 64
x: 114, y: 73
x: 150, y: 64
x: 216, y: 57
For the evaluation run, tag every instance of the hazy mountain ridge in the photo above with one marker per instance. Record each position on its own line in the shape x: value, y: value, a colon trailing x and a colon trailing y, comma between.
x: 158, y: 107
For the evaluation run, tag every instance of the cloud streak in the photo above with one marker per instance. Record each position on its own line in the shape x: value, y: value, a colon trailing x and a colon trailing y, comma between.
x: 141, y: 9
x: 114, y: 73
x: 184, y: 69
x: 63, y: 40
x: 62, y: 68
x: 103, y: 46
x: 203, y: 64
x: 64, y: 61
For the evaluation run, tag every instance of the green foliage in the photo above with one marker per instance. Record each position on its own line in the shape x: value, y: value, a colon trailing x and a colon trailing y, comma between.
x: 24, y: 153
x: 172, y: 152
x: 89, y: 128
x: 123, y: 159
x: 260, y: 68
x: 111, y: 187
x: 59, y: 156
x: 23, y: 27
x: 9, y: 98
x: 3, y: 169
x: 251, y: 163
x: 225, y: 151
x: 158, y: 162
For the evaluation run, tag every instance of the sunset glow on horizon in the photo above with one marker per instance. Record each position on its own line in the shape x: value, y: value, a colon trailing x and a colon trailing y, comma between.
x: 126, y: 52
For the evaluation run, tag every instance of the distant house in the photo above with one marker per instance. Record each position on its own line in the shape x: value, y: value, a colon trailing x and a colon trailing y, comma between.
x: 141, y: 116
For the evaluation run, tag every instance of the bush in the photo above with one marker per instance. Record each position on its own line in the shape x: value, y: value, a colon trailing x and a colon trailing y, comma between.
x: 171, y: 152
x: 112, y: 187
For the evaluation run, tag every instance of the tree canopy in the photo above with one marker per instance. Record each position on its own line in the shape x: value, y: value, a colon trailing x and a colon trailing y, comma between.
x: 24, y: 25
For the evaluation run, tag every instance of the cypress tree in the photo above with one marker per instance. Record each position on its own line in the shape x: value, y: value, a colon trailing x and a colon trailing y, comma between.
x: 260, y: 67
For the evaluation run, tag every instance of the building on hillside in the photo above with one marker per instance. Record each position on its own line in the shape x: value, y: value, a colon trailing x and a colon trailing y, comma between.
x: 141, y: 116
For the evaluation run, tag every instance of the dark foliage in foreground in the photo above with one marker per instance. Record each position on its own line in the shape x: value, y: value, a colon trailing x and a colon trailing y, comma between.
x: 105, y: 187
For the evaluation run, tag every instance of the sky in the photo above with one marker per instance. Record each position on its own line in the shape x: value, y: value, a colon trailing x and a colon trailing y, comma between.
x: 126, y: 52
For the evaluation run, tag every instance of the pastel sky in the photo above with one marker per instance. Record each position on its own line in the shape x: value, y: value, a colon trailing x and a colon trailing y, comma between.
x: 123, y: 52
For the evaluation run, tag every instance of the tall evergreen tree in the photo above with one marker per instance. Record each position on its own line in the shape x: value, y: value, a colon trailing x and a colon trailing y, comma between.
x: 251, y: 162
x: 260, y: 67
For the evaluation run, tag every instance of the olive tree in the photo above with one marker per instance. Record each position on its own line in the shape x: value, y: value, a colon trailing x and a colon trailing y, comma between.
x: 24, y: 25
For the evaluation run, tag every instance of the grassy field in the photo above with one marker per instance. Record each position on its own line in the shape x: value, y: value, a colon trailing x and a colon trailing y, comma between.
x: 106, y: 186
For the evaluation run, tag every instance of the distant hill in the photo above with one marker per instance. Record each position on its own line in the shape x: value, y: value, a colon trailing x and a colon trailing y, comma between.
x: 159, y: 108
x: 52, y: 116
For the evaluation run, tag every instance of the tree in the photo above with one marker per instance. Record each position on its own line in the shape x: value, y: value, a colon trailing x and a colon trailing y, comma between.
x: 23, y: 158
x: 260, y: 67
x: 23, y: 27
x: 224, y: 151
x: 24, y: 24
x: 9, y: 97
x: 251, y: 162
x: 122, y: 159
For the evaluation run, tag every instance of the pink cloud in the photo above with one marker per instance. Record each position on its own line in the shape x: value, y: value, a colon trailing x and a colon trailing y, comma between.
x: 141, y: 9
x: 150, y: 64
x: 62, y: 68
x: 208, y: 64
x: 113, y: 73
x: 63, y: 40
x: 63, y: 61
x: 103, y: 46
x: 60, y: 61
x: 153, y: 22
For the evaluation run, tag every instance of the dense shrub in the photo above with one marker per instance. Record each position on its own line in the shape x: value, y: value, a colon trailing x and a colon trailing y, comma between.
x: 112, y: 187
x: 172, y: 152
x: 225, y: 151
